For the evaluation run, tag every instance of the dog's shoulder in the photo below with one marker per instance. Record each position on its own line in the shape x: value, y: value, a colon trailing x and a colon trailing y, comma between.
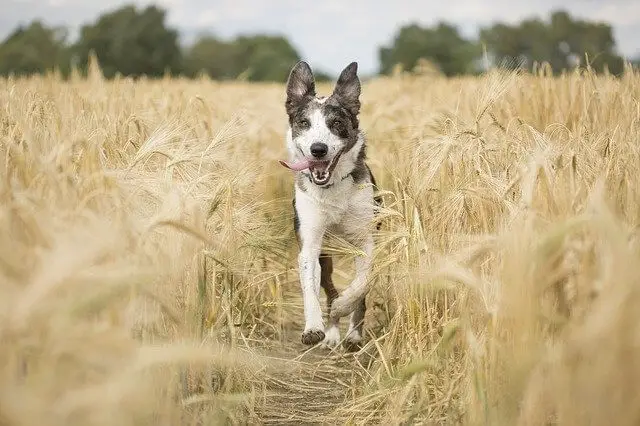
x: 361, y: 172
x: 377, y: 198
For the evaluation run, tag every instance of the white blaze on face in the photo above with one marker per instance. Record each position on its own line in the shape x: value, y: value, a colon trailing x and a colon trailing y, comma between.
x: 318, y: 132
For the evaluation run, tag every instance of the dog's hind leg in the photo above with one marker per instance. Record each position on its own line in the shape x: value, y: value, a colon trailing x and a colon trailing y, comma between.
x: 332, y: 333
x: 356, y: 321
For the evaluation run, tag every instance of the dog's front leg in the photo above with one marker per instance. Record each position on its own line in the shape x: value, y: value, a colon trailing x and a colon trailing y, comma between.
x: 311, y: 232
x: 353, y: 298
x: 309, y: 265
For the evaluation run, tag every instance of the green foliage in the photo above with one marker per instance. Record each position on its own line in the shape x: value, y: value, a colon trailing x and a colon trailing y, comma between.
x: 131, y: 42
x: 563, y: 42
x: 212, y: 57
x: 136, y: 42
x: 34, y: 50
x: 442, y: 45
x: 254, y: 58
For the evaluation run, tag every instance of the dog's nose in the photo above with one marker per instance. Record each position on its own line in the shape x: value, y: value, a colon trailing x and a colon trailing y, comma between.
x: 319, y: 149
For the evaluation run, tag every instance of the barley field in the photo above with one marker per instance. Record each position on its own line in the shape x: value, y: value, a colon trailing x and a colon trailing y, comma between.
x: 148, y: 261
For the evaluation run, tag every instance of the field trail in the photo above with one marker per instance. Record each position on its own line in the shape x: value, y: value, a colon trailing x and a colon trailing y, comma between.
x: 314, y: 383
x: 303, y: 384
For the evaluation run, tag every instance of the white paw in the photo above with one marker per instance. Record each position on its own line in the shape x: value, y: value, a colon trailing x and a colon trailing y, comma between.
x: 331, y: 337
x: 341, y: 307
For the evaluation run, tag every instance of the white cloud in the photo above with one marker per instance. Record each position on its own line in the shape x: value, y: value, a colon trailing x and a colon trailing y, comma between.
x: 619, y: 14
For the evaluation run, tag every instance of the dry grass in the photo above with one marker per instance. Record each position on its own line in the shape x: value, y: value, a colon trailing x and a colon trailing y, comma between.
x: 148, y: 271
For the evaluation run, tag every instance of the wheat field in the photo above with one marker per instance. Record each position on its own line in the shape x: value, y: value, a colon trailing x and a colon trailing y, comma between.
x: 148, y: 260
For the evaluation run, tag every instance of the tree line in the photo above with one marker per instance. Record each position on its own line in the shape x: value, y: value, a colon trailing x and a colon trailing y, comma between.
x: 135, y: 42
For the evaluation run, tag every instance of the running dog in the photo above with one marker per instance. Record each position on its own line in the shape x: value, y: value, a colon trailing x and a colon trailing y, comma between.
x: 334, y: 193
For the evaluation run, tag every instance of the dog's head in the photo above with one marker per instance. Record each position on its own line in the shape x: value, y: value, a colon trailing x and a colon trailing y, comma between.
x: 321, y: 128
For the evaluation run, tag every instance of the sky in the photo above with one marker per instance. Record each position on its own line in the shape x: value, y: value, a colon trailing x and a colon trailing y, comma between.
x: 329, y: 34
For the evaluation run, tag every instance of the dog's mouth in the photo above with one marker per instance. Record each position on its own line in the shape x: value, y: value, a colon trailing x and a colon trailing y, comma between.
x: 320, y: 170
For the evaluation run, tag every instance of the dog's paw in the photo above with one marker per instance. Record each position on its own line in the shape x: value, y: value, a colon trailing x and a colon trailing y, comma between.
x: 332, y: 337
x: 341, y: 307
x: 353, y: 341
x: 312, y: 336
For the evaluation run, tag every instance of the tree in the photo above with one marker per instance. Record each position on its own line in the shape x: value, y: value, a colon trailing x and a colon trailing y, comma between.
x: 441, y: 45
x: 214, y: 57
x: 34, y: 49
x: 131, y: 42
x: 256, y: 58
x: 562, y: 42
x: 266, y: 58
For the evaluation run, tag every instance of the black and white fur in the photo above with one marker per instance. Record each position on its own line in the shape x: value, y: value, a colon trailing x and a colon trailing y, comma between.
x: 338, y: 199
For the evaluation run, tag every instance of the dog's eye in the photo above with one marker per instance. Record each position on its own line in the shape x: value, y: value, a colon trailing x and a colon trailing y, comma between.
x: 336, y: 124
x: 304, y: 123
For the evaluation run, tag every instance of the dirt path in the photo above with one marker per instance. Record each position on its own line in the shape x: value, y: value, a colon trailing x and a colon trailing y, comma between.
x: 305, y: 385
x: 310, y: 387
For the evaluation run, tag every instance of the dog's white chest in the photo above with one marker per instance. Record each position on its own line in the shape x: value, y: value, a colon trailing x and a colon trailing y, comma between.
x: 344, y: 208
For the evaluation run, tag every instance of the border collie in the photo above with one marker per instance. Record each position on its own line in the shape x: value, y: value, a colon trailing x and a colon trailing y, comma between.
x: 334, y: 194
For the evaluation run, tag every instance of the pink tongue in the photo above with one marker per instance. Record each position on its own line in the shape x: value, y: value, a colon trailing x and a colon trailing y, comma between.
x: 297, y: 166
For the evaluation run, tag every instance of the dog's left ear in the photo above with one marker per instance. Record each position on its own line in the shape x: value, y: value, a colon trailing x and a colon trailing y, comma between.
x: 348, y: 88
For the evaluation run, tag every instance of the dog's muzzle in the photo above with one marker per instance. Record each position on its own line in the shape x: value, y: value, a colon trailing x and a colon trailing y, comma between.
x: 320, y: 171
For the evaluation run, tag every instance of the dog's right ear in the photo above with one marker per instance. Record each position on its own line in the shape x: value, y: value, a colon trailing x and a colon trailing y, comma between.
x: 300, y: 84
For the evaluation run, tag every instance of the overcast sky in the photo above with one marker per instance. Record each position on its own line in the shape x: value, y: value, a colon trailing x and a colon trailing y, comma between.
x: 331, y: 33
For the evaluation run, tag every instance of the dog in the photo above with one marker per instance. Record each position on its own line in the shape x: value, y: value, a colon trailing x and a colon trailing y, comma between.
x: 334, y: 192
